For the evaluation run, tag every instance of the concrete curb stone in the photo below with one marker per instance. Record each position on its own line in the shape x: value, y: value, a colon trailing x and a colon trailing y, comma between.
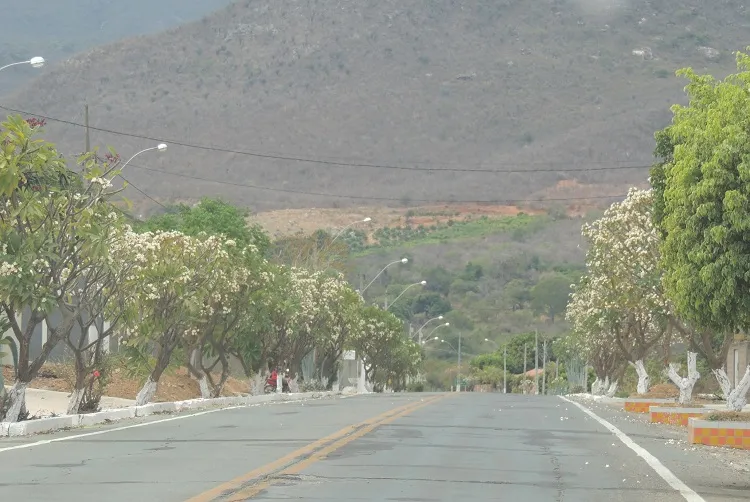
x: 51, y: 424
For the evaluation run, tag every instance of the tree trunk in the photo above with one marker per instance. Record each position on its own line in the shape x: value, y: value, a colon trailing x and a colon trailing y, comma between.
x: 257, y: 383
x: 644, y: 381
x: 685, y: 384
x: 204, y: 387
x: 16, y: 401
x: 612, y: 390
x: 216, y: 389
x: 597, y: 388
x: 147, y: 393
x: 79, y: 387
x: 737, y: 397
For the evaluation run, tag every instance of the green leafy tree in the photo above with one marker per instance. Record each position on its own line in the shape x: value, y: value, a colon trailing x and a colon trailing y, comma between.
x: 702, y: 198
x: 550, y: 296
x: 705, y: 201
x: 214, y: 217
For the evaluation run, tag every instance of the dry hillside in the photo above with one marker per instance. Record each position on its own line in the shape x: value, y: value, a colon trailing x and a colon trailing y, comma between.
x: 507, y: 85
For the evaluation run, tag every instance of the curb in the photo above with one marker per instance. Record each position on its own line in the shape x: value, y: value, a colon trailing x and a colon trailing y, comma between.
x: 51, y: 424
x: 643, y: 405
x: 707, y: 432
x: 674, y: 415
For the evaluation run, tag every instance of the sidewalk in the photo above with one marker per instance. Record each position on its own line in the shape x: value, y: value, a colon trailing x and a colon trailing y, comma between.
x: 620, y: 401
x: 45, y: 403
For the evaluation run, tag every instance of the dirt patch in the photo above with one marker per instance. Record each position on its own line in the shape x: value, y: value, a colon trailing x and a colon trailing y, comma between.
x: 678, y: 405
x: 173, y: 386
x: 660, y: 391
x: 727, y: 416
x: 292, y: 221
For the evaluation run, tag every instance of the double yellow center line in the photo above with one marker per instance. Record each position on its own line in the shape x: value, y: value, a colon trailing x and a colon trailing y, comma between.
x: 251, y: 484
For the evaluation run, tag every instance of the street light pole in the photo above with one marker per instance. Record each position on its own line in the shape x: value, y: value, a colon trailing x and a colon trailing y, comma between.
x: 419, y: 331
x: 402, y: 260
x: 536, y: 361
x: 505, y: 369
x: 421, y: 283
x: 161, y: 147
x: 346, y: 228
x: 36, y: 62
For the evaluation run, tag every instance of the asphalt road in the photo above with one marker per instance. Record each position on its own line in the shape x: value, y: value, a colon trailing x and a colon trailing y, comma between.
x: 396, y: 447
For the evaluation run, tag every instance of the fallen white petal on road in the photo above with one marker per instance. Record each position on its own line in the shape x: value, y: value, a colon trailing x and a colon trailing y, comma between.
x: 687, y: 493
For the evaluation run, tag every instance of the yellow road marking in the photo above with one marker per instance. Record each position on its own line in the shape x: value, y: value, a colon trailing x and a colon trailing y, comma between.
x: 304, y: 456
x: 296, y: 468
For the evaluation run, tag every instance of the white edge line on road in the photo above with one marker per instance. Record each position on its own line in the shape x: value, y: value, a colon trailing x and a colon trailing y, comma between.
x: 115, y: 429
x: 133, y: 426
x: 688, y: 493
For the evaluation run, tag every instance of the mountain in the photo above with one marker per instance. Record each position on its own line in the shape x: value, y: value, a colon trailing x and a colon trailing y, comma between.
x: 58, y: 30
x: 376, y: 92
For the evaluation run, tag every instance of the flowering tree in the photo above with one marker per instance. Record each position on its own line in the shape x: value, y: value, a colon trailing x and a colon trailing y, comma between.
x: 621, y: 294
x: 238, y: 277
x: 53, y: 226
x: 593, y: 342
x: 170, y: 281
x: 343, y: 314
x: 378, y: 333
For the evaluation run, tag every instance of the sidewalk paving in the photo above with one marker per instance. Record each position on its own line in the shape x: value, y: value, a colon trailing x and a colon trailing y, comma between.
x: 45, y: 403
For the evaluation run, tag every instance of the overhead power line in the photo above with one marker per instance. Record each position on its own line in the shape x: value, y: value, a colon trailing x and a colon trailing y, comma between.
x: 292, y: 158
x: 363, y: 197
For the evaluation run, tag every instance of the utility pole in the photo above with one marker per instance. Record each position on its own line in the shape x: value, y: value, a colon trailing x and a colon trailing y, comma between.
x: 458, y: 384
x: 86, y: 123
x: 505, y: 369
x: 536, y: 361
x: 544, y: 368
x: 523, y: 381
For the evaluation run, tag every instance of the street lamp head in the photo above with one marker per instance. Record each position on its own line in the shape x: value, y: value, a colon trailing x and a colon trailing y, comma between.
x: 423, y: 283
x: 161, y: 147
x: 440, y: 318
x: 36, y: 62
x: 366, y: 220
x: 404, y: 260
x: 486, y: 339
x: 447, y: 324
x: 436, y: 338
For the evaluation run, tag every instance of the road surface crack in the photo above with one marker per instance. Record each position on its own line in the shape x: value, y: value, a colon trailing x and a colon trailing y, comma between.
x: 557, y: 470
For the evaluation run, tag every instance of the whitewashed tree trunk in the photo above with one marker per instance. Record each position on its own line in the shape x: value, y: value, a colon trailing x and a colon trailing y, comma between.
x: 293, y: 386
x: 16, y: 401
x: 737, y: 397
x: 147, y: 393
x: 612, y: 390
x: 257, y: 384
x: 203, y: 385
x: 644, y: 381
x: 74, y: 403
x: 685, y: 384
x: 596, y: 387
x: 279, y: 382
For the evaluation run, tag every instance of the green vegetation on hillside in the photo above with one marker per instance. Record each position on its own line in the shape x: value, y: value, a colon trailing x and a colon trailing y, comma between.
x: 519, y: 227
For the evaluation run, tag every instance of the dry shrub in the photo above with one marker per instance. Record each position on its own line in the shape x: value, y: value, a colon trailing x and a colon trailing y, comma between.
x: 660, y: 391
x: 727, y: 416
